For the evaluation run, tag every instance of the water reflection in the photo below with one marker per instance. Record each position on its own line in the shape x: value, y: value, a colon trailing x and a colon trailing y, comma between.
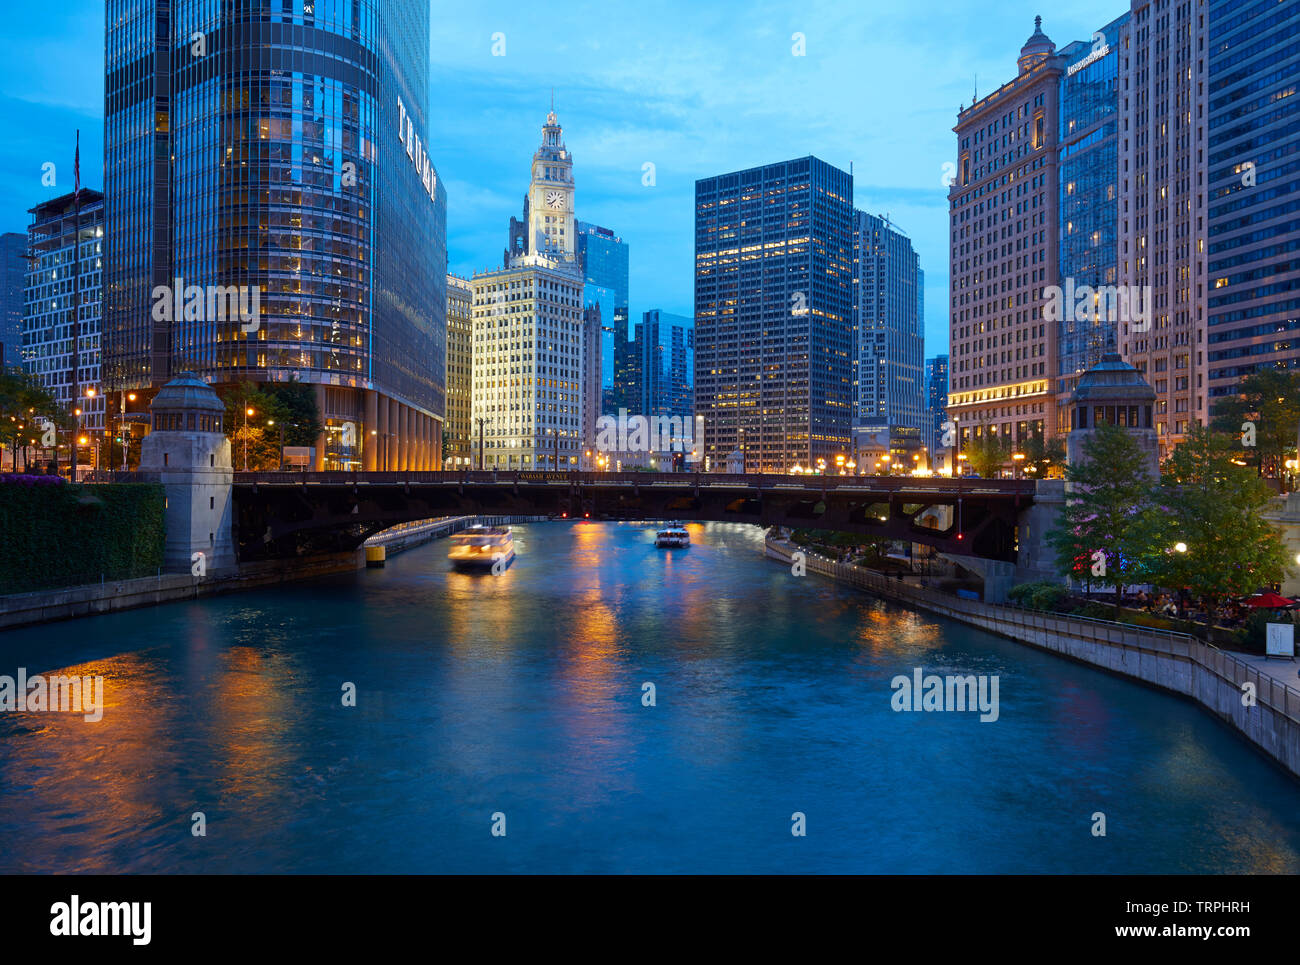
x: 523, y: 693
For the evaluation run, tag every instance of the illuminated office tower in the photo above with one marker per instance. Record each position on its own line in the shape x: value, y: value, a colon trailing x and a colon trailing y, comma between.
x: 460, y: 360
x: 1253, y: 158
x: 1003, y: 231
x: 277, y: 151
x: 773, y: 314
x: 1162, y: 206
x: 889, y: 357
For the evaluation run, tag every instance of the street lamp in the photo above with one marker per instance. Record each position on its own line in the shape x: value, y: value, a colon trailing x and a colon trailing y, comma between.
x: 1016, y: 459
x: 1180, y: 547
x: 247, y: 412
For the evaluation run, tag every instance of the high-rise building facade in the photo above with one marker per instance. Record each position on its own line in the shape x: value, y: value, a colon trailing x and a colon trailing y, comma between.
x: 603, y: 258
x: 1087, y: 208
x: 278, y: 150
x: 774, y: 314
x: 936, y: 402
x: 1163, y: 84
x: 890, y: 353
x: 1253, y: 172
x: 1003, y: 231
x: 528, y: 367
x: 458, y: 447
x: 13, y: 279
x: 532, y: 399
x: 667, y: 344
x: 55, y: 341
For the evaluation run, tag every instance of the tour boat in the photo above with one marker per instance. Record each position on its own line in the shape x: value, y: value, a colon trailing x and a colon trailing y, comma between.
x: 674, y: 535
x: 482, y: 547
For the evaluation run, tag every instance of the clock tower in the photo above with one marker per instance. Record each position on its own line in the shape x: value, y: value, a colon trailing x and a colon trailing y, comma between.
x: 550, y: 197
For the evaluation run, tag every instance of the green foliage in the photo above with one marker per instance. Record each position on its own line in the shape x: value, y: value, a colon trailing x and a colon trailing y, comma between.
x: 1271, y: 400
x: 1039, y: 595
x: 1044, y: 458
x: 290, y: 406
x: 23, y: 402
x: 64, y: 535
x: 1095, y: 611
x: 1213, y: 506
x: 1110, y: 511
x: 987, y: 454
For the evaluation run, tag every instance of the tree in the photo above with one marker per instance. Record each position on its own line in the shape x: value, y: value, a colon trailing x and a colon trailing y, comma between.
x: 1268, y: 403
x: 1213, y: 505
x: 1110, y: 527
x: 987, y: 454
x: 24, y: 404
x: 1043, y: 457
x: 290, y: 406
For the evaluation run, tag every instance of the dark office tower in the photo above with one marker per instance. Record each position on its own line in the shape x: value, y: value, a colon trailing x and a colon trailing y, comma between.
x: 271, y: 152
x: 603, y: 257
x: 1254, y: 182
x: 1162, y: 205
x: 936, y: 404
x: 1087, y: 206
x: 1003, y: 225
x: 773, y: 314
x: 890, y: 351
x: 13, y: 269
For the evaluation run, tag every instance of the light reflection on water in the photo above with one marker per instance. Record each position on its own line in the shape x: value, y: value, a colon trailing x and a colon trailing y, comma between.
x: 522, y: 693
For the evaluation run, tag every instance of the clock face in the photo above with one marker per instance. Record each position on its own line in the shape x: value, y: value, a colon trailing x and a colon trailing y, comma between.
x: 555, y: 199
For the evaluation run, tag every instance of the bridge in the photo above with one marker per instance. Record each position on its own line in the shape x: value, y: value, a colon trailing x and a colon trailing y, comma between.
x: 283, y: 515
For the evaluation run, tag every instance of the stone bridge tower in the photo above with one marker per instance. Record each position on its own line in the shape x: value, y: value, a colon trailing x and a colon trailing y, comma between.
x: 189, y: 453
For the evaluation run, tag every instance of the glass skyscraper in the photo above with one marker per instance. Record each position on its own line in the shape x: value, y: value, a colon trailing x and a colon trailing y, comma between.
x: 667, y: 344
x: 1253, y: 295
x: 604, y: 259
x: 890, y: 350
x: 279, y: 146
x: 1088, y: 166
x: 13, y: 270
x: 936, y: 407
x: 774, y: 314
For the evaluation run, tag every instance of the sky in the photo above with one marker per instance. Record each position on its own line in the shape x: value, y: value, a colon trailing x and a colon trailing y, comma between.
x: 695, y: 87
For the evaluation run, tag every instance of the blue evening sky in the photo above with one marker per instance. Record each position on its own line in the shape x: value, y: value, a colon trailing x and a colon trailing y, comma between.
x: 696, y: 88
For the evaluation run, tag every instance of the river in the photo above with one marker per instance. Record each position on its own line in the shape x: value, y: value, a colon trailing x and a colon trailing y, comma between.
x: 518, y: 702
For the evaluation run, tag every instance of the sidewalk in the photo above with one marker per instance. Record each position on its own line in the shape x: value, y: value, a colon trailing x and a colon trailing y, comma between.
x: 1281, y: 669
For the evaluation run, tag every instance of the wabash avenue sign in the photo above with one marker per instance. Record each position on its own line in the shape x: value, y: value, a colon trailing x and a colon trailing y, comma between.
x: 415, y: 150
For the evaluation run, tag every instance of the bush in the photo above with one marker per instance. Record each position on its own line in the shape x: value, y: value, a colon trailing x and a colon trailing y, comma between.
x: 1096, y: 611
x: 54, y: 535
x: 1039, y: 595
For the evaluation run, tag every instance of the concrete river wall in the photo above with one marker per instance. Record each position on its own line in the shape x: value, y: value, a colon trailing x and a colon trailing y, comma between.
x: 1176, y: 662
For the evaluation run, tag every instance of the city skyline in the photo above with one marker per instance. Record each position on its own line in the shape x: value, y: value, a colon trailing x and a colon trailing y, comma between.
x: 629, y: 93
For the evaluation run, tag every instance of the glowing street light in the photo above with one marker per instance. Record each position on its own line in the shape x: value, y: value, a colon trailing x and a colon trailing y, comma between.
x: 1180, y: 547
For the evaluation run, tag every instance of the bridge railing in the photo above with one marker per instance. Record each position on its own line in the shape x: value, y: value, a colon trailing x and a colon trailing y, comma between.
x: 890, y: 485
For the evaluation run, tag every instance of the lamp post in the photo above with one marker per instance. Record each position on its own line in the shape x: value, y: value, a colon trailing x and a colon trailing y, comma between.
x: 1016, y: 459
x: 953, y: 468
x: 481, y: 420
x: 248, y: 411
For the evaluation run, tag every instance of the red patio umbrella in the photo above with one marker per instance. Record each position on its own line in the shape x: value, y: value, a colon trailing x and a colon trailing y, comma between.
x: 1269, y: 601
